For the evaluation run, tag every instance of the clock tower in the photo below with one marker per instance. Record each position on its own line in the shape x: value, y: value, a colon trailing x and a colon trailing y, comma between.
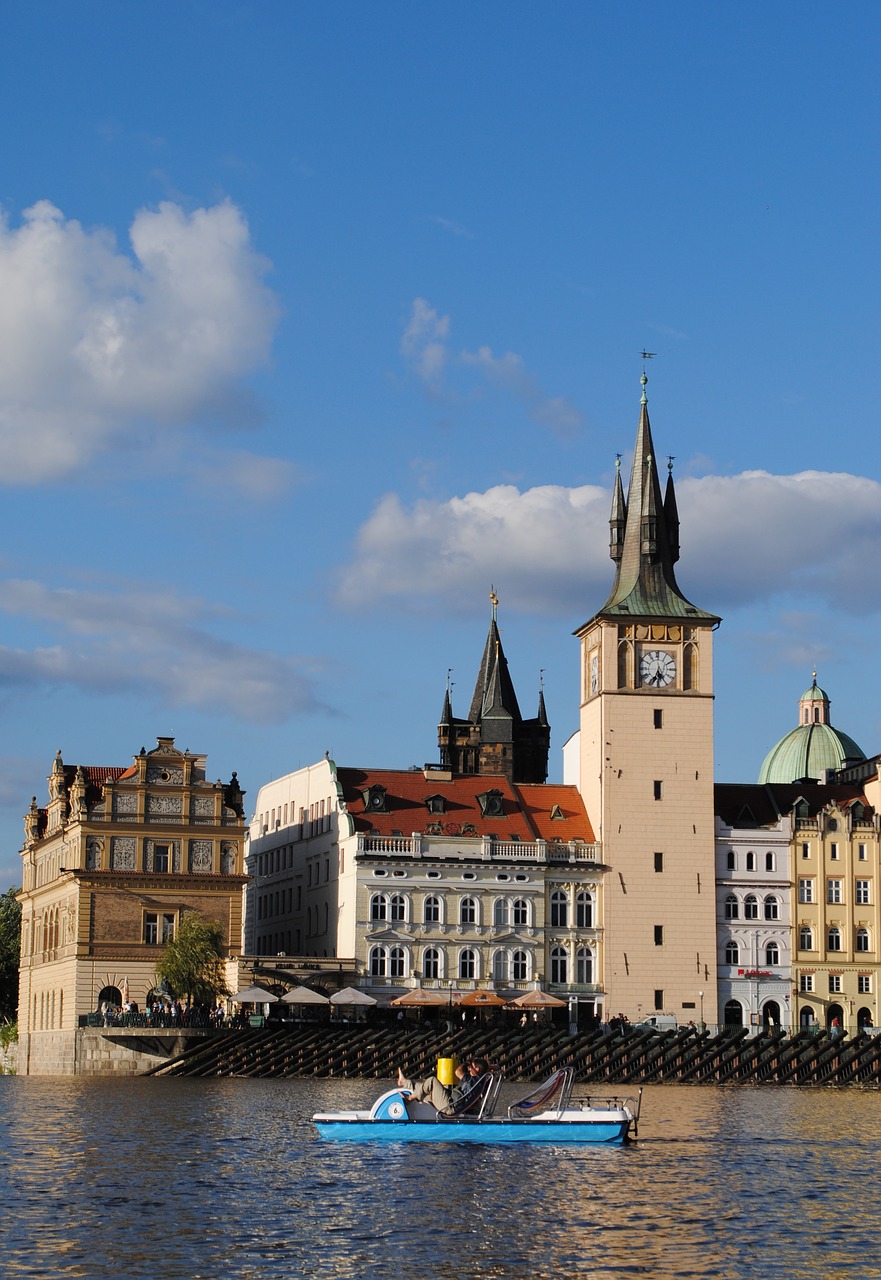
x: 646, y: 759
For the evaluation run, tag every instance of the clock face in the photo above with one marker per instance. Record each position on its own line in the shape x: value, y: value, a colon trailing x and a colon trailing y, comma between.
x: 657, y: 668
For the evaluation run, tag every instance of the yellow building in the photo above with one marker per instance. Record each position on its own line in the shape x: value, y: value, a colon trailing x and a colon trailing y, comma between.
x: 109, y: 866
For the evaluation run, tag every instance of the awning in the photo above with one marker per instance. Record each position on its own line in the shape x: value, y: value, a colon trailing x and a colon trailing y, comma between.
x: 303, y: 995
x: 351, y: 995
x: 487, y: 998
x: 422, y: 996
x: 253, y: 995
x: 535, y: 1000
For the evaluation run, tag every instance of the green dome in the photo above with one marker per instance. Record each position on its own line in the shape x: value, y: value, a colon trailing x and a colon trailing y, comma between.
x: 808, y: 751
x: 814, y: 694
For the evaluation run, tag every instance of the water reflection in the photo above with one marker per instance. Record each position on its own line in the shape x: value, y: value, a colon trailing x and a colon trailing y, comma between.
x: 227, y: 1178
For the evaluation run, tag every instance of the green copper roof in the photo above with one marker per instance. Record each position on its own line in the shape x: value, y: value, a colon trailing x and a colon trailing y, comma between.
x: 814, y: 694
x: 808, y: 751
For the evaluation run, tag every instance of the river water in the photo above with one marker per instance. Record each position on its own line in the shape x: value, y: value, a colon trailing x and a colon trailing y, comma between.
x: 217, y: 1179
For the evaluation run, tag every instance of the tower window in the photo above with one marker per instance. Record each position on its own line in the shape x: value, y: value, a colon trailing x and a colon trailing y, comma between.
x: 658, y: 718
x: 659, y: 862
x: 658, y: 786
x: 659, y: 935
x: 659, y: 1000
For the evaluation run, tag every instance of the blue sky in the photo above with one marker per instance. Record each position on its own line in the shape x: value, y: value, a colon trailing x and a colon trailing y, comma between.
x: 319, y: 320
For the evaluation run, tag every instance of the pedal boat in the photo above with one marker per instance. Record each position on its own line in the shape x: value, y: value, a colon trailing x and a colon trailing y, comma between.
x: 549, y: 1114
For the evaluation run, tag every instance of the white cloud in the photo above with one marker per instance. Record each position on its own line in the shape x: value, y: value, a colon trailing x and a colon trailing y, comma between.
x: 745, y: 539
x: 94, y: 341
x: 425, y: 347
x: 155, y: 642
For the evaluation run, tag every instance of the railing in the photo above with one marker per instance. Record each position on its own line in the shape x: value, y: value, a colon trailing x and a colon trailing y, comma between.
x: 420, y: 845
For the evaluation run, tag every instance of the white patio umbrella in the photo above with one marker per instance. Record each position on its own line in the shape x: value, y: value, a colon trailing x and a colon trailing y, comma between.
x: 351, y: 995
x: 303, y: 995
x: 253, y: 995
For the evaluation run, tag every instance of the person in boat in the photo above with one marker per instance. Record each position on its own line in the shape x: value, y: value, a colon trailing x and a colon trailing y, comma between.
x: 470, y: 1077
x: 430, y: 1090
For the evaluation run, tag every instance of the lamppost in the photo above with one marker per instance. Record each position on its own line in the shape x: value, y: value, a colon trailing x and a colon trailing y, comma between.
x: 703, y: 1025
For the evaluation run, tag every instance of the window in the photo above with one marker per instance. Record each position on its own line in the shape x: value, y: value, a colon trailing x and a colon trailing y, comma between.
x: 559, y: 909
x: 834, y: 984
x: 397, y: 908
x: 806, y: 982
x: 584, y: 909
x: 833, y: 938
x: 833, y: 824
x: 864, y: 984
x: 769, y: 862
x: 863, y: 893
x: 377, y: 962
x: 772, y: 908
x: 379, y: 907
x: 750, y: 907
x: 161, y: 858
x: 750, y: 861
x: 659, y: 862
x: 833, y: 851
x: 500, y: 966
x: 862, y: 940
x: 861, y: 852
x: 559, y: 965
x: 659, y: 999
x: 658, y: 718
x: 805, y: 938
x: 467, y: 964
x: 806, y: 891
x: 658, y: 786
x: 732, y: 953
x: 732, y: 907
x: 659, y: 935
x: 732, y: 860
x: 519, y: 966
x: 430, y: 963
x: 467, y: 911
x: 772, y: 953
x: 833, y: 891
x: 521, y: 913
x: 158, y: 927
x: 396, y: 962
x: 806, y: 851
x: 500, y: 913
x: 584, y: 966
x: 431, y: 910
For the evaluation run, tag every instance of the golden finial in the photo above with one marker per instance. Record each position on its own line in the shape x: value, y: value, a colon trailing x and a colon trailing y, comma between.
x: 495, y: 601
x: 646, y: 355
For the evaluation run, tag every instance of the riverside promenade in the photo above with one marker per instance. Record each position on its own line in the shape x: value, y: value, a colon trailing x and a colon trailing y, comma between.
x: 602, y: 1056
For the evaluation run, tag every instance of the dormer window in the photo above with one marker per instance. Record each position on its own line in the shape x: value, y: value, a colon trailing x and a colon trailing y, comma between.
x: 436, y: 804
x: 491, y: 805
x: 375, y: 799
x: 556, y: 813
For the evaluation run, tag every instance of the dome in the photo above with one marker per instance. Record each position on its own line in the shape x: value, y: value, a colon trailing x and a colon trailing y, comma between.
x: 807, y: 752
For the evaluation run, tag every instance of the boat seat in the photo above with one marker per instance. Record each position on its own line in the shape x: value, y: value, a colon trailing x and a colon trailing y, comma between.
x: 558, y: 1086
x: 480, y: 1101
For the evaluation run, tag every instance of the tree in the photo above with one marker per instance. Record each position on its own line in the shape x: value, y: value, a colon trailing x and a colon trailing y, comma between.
x: 10, y: 950
x: 192, y: 962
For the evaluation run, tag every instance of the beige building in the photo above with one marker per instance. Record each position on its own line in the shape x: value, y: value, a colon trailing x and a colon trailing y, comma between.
x: 644, y: 759
x: 109, y: 865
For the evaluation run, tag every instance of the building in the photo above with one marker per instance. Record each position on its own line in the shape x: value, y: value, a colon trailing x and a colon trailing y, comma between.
x: 109, y: 865
x: 813, y: 749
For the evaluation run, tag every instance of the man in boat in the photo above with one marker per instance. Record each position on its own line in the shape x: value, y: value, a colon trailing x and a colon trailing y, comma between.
x: 470, y: 1077
x: 430, y: 1090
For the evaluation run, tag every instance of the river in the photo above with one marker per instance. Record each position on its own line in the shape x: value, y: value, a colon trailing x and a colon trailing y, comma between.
x: 227, y: 1180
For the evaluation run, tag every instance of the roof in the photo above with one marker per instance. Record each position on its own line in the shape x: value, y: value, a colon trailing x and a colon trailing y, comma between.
x: 807, y: 752
x: 755, y: 804
x: 526, y: 809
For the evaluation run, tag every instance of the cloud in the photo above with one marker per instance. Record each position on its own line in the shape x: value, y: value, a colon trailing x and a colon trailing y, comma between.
x: 155, y: 642
x: 94, y: 341
x: 425, y: 347
x: 745, y: 539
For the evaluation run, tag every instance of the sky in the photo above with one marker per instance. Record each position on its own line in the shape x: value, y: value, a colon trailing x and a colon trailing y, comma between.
x: 319, y: 321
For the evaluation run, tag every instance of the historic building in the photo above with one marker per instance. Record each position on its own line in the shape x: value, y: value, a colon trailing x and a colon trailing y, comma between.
x: 109, y: 865
x: 813, y: 749
x: 643, y: 757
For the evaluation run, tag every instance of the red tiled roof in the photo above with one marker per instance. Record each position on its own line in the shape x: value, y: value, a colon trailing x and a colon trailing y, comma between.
x: 527, y: 809
x: 96, y: 774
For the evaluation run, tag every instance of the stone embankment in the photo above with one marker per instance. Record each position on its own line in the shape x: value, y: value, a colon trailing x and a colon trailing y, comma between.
x: 632, y: 1057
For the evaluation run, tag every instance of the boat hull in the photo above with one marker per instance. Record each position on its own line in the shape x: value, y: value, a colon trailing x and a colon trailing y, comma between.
x: 609, y: 1132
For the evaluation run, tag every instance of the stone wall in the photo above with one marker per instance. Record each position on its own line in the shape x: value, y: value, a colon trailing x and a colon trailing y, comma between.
x: 91, y: 1051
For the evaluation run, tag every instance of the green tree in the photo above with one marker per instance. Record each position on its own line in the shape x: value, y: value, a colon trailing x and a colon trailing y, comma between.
x: 192, y: 962
x: 10, y: 950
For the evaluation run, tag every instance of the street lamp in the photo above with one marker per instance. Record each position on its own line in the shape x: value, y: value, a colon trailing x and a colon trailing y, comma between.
x: 703, y: 1025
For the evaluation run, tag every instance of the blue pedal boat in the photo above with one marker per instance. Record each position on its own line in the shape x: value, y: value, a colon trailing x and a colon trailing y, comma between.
x: 548, y: 1114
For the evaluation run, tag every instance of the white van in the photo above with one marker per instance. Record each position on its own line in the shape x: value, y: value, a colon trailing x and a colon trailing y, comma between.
x: 657, y: 1022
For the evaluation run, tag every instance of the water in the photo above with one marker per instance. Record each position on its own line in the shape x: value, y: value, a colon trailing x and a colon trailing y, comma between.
x: 226, y: 1180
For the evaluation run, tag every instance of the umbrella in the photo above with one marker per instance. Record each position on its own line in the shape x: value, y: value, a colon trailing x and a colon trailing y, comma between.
x: 422, y: 996
x: 125, y: 992
x: 481, y: 998
x: 253, y: 995
x: 303, y: 995
x: 351, y: 995
x: 536, y: 999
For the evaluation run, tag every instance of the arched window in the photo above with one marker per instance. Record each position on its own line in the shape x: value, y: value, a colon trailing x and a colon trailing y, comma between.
x: 500, y: 913
x: 584, y: 965
x: 732, y: 861
x: 769, y: 862
x: 559, y: 909
x: 750, y: 907
x: 806, y: 938
x: 520, y: 913
x: 430, y: 963
x: 500, y: 966
x: 833, y: 939
x: 750, y: 861
x: 690, y: 669
x: 398, y: 908
x: 584, y: 910
x: 467, y: 964
x: 833, y: 824
x: 431, y: 910
x: 559, y: 965
x: 732, y: 907
x: 771, y: 908
x: 733, y: 1014
x: 862, y: 940
x: 377, y: 962
x: 772, y: 953
x: 467, y: 911
x: 732, y: 952
x: 520, y: 967
x: 396, y: 962
x: 379, y: 907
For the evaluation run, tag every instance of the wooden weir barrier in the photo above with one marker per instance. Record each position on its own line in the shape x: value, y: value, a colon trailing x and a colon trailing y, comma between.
x: 376, y: 1050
